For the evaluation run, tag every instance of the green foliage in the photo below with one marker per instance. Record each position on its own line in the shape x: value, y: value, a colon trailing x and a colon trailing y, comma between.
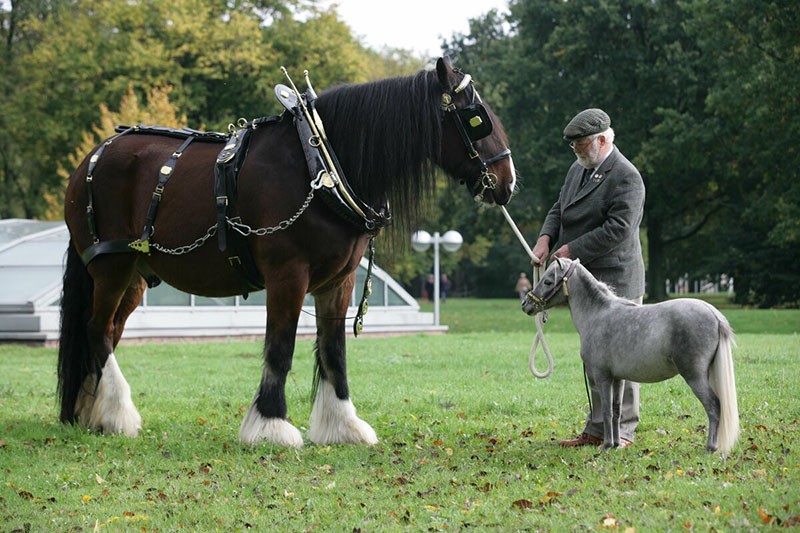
x: 468, y: 440
x: 754, y: 105
x: 702, y: 94
x: 65, y: 60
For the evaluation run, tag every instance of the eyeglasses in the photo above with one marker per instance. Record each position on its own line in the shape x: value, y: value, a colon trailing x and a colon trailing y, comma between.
x: 581, y: 144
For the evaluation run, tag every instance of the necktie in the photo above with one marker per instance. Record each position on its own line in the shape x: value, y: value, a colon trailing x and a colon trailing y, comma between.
x: 585, y: 177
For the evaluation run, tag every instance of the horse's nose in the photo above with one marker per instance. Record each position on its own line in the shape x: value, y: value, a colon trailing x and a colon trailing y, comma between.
x: 532, y: 304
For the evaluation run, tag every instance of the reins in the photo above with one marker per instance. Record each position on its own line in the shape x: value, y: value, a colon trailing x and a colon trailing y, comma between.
x: 538, y: 270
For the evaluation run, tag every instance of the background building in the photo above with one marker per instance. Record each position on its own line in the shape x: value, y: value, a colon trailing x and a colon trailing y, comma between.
x: 31, y: 270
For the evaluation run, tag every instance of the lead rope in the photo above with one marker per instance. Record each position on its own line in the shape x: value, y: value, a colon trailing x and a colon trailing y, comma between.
x: 538, y: 270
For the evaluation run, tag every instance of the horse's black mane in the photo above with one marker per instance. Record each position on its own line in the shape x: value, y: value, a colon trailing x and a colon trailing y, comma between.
x: 386, y: 135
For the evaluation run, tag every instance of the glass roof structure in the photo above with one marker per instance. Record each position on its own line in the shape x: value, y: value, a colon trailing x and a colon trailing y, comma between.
x: 31, y: 268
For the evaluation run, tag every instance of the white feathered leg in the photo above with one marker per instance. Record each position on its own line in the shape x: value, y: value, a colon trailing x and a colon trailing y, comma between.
x: 111, y: 410
x: 334, y: 421
x: 256, y: 428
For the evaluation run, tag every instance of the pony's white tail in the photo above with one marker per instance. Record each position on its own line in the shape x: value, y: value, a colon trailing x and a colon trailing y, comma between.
x: 724, y: 384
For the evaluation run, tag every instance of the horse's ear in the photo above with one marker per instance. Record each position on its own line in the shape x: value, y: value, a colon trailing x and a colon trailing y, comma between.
x: 444, y: 70
x: 577, y: 261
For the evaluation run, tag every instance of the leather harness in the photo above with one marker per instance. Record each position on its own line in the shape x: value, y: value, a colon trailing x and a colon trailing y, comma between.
x: 327, y: 176
x: 338, y: 195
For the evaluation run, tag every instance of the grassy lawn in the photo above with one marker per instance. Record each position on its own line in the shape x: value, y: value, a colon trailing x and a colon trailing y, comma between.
x: 468, y: 440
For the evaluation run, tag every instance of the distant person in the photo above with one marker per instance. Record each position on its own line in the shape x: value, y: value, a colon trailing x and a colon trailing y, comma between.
x: 444, y: 287
x: 596, y: 219
x: 523, y: 285
x: 429, y: 282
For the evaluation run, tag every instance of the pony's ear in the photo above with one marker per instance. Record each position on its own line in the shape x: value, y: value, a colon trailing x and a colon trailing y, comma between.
x: 577, y: 261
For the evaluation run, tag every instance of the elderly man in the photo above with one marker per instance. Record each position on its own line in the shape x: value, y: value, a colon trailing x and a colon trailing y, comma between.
x: 596, y: 219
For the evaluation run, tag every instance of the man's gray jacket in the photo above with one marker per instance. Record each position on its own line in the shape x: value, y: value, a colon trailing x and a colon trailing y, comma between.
x: 600, y: 223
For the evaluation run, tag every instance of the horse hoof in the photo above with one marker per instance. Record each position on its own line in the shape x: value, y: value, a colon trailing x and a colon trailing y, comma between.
x: 111, y: 410
x: 256, y: 429
x: 334, y: 421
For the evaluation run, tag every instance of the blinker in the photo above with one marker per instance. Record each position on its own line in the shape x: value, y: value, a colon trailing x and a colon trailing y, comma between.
x: 476, y: 121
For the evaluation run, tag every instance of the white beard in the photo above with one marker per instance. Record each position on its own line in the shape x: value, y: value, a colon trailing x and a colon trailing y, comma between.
x: 591, y: 158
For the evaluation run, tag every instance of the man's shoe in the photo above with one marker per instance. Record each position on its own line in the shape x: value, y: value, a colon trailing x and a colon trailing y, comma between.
x: 624, y: 443
x: 584, y: 439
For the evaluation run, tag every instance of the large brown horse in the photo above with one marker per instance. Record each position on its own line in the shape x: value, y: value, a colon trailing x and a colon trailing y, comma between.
x: 390, y: 136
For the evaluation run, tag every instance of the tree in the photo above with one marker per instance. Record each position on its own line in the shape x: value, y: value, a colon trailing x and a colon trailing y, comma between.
x: 220, y: 58
x: 632, y: 58
x: 754, y: 104
x: 158, y: 110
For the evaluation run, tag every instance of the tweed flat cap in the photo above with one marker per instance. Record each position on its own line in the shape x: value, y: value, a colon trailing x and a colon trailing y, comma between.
x: 587, y: 122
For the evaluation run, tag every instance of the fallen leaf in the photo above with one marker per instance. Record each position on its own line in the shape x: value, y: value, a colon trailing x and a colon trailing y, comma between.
x: 522, y: 504
x: 609, y: 520
x: 549, y: 498
x: 765, y: 517
x: 99, y: 480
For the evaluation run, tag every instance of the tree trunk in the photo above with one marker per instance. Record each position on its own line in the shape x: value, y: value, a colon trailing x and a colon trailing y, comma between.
x: 656, y: 290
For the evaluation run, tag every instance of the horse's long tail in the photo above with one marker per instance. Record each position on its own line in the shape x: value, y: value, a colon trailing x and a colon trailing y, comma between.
x: 724, y: 384
x: 73, y: 349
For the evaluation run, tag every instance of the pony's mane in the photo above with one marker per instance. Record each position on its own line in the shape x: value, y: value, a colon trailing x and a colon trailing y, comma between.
x: 599, y: 291
x: 386, y: 135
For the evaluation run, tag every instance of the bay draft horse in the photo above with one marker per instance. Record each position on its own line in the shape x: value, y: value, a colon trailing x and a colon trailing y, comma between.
x: 646, y: 343
x: 390, y: 136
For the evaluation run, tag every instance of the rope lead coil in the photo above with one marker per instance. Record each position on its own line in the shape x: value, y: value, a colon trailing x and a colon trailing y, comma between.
x: 538, y: 270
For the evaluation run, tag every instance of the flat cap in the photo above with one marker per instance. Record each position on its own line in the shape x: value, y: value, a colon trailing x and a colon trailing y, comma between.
x: 587, y: 122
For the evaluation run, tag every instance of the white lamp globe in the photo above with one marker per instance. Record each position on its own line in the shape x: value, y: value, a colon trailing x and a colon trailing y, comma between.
x: 421, y: 241
x: 452, y: 240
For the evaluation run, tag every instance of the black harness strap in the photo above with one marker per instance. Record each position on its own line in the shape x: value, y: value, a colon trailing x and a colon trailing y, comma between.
x: 89, y: 177
x: 164, y: 174
x: 115, y: 246
x: 226, y: 172
x: 363, y: 306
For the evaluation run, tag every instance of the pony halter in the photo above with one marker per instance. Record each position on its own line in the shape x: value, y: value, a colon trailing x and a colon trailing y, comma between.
x: 546, y: 297
x: 474, y: 123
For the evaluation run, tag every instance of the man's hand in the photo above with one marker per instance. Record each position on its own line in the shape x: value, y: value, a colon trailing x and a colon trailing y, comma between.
x: 541, y: 250
x: 563, y: 252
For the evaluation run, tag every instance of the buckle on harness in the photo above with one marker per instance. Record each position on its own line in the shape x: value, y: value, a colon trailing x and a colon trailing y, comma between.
x: 142, y: 246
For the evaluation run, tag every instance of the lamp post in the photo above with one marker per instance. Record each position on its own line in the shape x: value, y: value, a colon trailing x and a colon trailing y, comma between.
x: 451, y: 241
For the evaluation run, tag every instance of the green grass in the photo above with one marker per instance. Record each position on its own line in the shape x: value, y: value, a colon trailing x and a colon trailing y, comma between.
x: 468, y: 440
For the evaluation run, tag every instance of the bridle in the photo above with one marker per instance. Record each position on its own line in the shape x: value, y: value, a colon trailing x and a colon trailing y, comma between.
x: 546, y: 297
x: 474, y: 123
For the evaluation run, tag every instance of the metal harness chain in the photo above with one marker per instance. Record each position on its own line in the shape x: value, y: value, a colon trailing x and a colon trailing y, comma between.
x: 243, y: 229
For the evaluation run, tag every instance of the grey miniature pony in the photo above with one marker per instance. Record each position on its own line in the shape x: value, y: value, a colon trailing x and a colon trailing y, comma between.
x: 646, y: 343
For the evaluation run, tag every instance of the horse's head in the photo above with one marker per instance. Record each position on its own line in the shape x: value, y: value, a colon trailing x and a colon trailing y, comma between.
x: 474, y: 144
x: 552, y: 288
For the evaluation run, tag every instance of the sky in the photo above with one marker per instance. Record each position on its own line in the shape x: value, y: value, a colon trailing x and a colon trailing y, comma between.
x: 416, y: 25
